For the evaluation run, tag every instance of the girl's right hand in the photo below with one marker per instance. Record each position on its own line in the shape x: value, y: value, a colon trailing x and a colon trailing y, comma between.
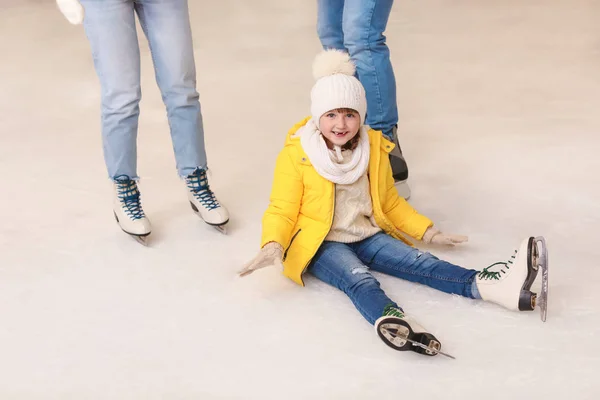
x: 270, y: 255
x: 72, y: 10
x: 434, y: 236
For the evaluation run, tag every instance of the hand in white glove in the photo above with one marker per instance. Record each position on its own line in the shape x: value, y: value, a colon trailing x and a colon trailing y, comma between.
x: 72, y: 10
x: 270, y: 255
x: 434, y: 236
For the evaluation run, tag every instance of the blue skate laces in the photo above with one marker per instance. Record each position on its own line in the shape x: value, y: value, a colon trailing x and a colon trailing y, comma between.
x: 197, y: 182
x: 487, y: 274
x: 129, y: 196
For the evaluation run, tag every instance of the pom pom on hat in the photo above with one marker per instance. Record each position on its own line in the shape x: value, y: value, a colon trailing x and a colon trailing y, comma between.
x: 336, y: 86
x: 332, y: 62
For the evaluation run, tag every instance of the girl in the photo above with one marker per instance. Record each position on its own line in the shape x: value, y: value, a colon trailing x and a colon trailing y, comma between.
x: 334, y: 213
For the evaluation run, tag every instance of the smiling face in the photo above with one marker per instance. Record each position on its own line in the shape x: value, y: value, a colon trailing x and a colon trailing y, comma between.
x: 339, y: 126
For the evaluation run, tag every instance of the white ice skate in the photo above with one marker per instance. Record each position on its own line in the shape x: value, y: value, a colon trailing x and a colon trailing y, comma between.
x: 509, y: 283
x: 128, y: 209
x: 203, y: 201
x: 403, y: 333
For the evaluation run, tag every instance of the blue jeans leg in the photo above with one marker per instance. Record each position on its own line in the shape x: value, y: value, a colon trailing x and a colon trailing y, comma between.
x: 110, y: 28
x: 329, y: 23
x: 357, y: 26
x: 390, y: 256
x: 166, y: 24
x: 337, y: 265
x: 364, y: 22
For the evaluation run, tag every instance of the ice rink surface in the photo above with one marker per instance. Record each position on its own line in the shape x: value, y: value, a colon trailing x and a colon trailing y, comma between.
x: 499, y: 123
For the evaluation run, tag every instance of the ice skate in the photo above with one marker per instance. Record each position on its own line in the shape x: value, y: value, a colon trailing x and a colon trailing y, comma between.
x: 402, y: 333
x: 203, y: 201
x: 399, y: 167
x: 128, y: 210
x: 509, y: 283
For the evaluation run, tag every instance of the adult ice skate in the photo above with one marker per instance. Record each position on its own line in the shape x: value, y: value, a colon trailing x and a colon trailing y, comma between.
x: 204, y: 202
x: 128, y: 211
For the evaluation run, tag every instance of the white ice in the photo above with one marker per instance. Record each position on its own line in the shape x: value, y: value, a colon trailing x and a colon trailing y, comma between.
x: 498, y: 119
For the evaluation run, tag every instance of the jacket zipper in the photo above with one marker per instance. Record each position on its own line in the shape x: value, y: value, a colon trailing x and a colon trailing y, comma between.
x: 290, y: 245
x: 330, y: 225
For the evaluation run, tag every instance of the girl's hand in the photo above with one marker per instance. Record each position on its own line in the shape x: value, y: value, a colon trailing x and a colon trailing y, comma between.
x: 434, y: 236
x: 270, y: 255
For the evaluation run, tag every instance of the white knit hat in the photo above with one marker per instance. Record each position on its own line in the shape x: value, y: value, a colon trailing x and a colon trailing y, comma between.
x: 336, y: 86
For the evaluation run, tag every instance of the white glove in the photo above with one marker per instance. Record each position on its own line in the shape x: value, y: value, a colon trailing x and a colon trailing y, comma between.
x: 72, y: 10
x: 270, y: 255
x: 434, y: 236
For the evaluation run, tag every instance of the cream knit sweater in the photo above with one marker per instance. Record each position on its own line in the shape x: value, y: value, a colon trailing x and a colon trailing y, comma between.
x: 353, y: 216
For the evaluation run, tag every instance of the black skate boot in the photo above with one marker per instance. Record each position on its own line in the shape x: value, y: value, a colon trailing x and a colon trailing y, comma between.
x: 399, y: 167
x: 402, y: 333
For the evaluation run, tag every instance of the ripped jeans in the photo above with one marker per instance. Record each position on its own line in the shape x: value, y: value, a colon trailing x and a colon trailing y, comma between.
x: 346, y: 266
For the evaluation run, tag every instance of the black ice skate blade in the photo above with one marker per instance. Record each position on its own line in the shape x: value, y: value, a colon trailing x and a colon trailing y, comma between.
x: 432, y: 349
x: 528, y: 299
x: 428, y: 350
x: 397, y: 334
x: 543, y: 264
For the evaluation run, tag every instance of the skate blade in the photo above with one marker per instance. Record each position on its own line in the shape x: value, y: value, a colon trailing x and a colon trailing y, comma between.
x: 143, y: 240
x: 543, y: 264
x: 403, y: 189
x: 221, y: 228
x: 421, y: 345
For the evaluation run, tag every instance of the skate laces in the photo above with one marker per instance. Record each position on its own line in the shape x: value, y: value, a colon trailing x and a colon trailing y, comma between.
x: 129, y: 196
x: 391, y: 311
x: 487, y: 274
x: 197, y: 182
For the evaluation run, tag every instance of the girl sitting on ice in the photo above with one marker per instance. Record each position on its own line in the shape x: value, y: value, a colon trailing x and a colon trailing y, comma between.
x: 334, y: 212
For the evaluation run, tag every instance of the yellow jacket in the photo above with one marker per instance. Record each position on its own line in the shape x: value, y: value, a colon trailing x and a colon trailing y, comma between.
x: 300, y: 213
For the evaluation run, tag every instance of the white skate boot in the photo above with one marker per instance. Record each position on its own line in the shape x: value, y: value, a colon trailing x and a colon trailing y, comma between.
x: 128, y: 209
x: 203, y: 201
x: 403, y: 333
x: 509, y: 283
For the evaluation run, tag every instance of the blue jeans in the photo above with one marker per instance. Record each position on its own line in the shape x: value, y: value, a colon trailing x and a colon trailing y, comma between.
x: 357, y: 27
x: 110, y: 28
x: 346, y: 267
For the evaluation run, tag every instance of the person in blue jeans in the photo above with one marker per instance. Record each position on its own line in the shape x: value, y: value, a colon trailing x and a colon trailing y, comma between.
x: 335, y: 213
x: 357, y: 26
x: 111, y: 30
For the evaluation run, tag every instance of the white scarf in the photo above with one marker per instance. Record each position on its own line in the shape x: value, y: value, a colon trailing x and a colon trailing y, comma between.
x: 314, y: 146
